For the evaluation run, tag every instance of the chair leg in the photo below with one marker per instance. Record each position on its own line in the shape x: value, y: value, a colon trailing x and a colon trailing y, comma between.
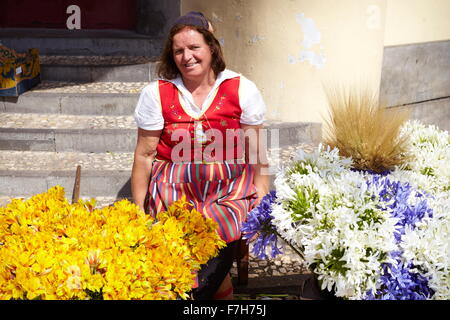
x: 242, y: 262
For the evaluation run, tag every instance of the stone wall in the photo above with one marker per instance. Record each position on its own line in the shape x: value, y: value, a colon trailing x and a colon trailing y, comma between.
x: 154, y: 17
x: 417, y: 77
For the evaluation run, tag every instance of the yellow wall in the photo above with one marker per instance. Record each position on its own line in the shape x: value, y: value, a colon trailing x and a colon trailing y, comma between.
x: 290, y: 49
x: 416, y: 21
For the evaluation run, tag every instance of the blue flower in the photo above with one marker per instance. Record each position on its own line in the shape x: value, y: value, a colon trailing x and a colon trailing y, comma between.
x: 399, y: 193
x: 399, y: 280
x: 259, y: 224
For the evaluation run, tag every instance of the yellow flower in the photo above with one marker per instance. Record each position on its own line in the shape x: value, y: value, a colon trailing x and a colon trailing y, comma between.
x: 51, y: 249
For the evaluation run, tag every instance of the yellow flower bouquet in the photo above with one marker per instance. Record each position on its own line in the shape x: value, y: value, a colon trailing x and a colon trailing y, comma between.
x: 51, y: 249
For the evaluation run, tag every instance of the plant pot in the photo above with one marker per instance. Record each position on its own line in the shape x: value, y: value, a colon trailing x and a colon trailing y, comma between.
x: 310, y: 290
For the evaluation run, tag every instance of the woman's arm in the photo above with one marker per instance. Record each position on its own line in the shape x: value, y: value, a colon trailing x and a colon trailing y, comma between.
x: 256, y: 155
x: 144, y: 155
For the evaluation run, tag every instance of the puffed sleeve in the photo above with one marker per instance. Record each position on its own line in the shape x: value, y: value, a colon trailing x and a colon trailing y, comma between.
x: 252, y: 103
x: 148, y: 114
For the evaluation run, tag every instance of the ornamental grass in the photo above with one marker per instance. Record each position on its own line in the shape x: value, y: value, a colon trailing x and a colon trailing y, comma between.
x: 364, y: 130
x: 50, y: 249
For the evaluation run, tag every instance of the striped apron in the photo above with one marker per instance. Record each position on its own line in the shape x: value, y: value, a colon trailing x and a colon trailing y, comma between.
x: 222, y: 191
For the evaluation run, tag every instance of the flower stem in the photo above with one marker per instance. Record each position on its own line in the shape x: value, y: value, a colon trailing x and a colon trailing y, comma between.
x: 290, y: 245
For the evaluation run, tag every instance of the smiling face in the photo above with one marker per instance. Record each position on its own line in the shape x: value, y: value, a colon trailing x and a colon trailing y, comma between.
x: 192, y: 55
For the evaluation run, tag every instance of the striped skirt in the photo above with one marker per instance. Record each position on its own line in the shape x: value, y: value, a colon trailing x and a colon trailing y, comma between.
x: 223, y: 192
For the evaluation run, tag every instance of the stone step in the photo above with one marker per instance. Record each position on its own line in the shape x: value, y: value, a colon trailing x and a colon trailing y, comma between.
x: 63, y: 97
x: 61, y: 132
x: 92, y: 133
x: 94, y: 183
x: 82, y: 42
x: 98, y: 68
x: 102, y: 174
x: 24, y: 173
x: 16, y: 161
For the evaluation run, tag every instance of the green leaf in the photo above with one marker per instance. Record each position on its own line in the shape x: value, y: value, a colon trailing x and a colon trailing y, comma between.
x: 300, y: 206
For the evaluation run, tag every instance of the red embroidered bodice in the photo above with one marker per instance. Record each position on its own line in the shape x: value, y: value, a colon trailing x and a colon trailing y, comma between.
x: 212, y: 136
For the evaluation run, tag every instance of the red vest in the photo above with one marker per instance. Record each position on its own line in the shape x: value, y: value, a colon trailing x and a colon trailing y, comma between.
x: 212, y: 136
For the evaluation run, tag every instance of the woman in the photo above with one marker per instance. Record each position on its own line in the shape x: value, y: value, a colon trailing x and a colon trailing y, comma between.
x: 184, y: 145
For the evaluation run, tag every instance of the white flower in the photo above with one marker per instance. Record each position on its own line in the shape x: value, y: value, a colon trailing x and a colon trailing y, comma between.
x: 284, y: 190
x: 429, y: 149
x: 346, y: 231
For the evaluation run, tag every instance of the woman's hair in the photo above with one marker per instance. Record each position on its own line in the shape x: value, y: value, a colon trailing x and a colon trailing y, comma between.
x: 167, y: 68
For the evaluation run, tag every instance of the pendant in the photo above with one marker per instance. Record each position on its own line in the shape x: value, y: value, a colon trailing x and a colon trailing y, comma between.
x: 200, y: 136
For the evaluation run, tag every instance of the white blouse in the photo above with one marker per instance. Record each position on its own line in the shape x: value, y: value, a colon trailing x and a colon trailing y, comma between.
x: 148, y: 113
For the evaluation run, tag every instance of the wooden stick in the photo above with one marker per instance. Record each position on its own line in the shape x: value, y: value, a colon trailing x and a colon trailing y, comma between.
x: 76, y: 186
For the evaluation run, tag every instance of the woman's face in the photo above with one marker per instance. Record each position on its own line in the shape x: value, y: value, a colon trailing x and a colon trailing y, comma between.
x: 192, y: 54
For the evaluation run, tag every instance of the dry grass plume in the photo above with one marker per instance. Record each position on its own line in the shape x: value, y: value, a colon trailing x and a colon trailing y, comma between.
x: 362, y: 129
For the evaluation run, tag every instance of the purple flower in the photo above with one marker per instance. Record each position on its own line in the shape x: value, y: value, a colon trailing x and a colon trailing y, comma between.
x: 407, y: 214
x: 259, y: 224
x: 399, y: 281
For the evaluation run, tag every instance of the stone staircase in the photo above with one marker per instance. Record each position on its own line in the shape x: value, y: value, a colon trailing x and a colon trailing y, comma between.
x: 82, y: 42
x: 82, y: 114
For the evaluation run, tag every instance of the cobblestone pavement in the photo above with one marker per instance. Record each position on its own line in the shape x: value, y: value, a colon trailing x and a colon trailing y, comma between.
x: 65, y: 121
x: 90, y: 87
x: 95, y: 60
x: 38, y: 160
x: 287, y: 263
